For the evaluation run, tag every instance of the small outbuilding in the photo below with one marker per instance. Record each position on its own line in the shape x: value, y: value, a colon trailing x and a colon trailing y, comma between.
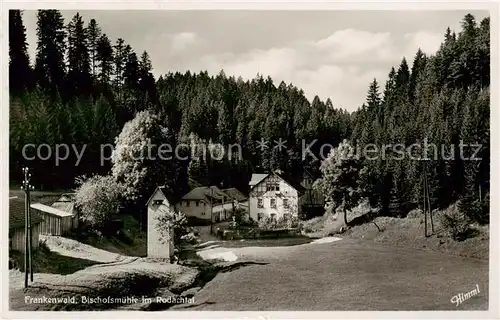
x: 66, y: 203
x: 160, y: 245
x: 17, y: 235
x: 55, y: 222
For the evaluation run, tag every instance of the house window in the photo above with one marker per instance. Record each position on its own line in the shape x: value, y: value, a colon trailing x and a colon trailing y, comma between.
x: 285, y: 203
x: 197, y: 203
x: 157, y: 202
x: 187, y: 203
x: 273, y: 217
x: 273, y: 186
x: 260, y: 215
x: 286, y: 217
x: 273, y: 203
x: 203, y: 213
x: 260, y: 203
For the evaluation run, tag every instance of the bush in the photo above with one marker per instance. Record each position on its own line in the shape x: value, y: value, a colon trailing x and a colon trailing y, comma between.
x: 415, y: 214
x: 176, y: 220
x: 241, y: 217
x: 189, y: 238
x: 455, y: 223
x: 97, y: 199
x: 475, y: 209
x: 281, y: 223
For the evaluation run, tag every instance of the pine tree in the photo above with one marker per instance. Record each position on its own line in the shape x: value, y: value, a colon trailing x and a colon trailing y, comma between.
x: 417, y: 69
x: 78, y: 56
x: 51, y: 46
x: 104, y: 59
x: 389, y: 86
x: 146, y: 79
x: 225, y: 133
x: 20, y: 73
x: 131, y: 70
x: 373, y: 98
x: 119, y: 61
x: 94, y: 38
x: 402, y: 79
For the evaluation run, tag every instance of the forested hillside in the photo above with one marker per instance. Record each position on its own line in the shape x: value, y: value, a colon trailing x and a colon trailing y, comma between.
x: 83, y: 87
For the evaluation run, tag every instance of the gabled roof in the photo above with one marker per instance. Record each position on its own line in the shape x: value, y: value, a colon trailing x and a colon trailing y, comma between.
x: 67, y: 197
x: 291, y: 181
x: 67, y: 206
x: 287, y: 178
x: 235, y: 194
x: 202, y: 193
x: 50, y: 210
x: 166, y: 193
x: 257, y: 178
x: 65, y: 203
x: 16, y: 214
x: 309, y: 174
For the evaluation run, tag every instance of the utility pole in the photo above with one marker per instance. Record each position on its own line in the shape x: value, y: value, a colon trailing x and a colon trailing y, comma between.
x: 211, y: 210
x: 223, y: 202
x: 429, y: 206
x: 27, y: 227
x: 427, y: 202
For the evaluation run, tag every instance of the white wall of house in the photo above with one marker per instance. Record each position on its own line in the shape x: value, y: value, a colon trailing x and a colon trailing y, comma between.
x: 285, y: 200
x: 195, y: 208
x: 158, y: 246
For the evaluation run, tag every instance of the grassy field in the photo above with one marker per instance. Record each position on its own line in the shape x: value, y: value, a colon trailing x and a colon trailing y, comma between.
x: 348, y: 275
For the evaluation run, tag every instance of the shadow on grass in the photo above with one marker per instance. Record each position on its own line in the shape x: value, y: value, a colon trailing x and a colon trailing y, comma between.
x: 207, y: 274
x: 469, y: 233
x: 209, y: 270
x: 46, y: 261
x: 130, y: 241
x: 190, y: 306
x: 366, y: 218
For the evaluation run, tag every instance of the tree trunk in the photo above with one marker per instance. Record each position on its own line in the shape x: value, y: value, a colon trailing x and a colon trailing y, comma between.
x: 345, y: 217
x: 345, y: 212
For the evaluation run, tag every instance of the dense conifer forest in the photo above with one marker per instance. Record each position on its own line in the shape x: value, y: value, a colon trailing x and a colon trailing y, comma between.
x: 83, y: 87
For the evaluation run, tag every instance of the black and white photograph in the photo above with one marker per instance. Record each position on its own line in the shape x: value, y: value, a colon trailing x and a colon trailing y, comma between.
x: 171, y: 161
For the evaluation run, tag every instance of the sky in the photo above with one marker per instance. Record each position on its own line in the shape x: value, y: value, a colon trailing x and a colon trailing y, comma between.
x: 331, y: 54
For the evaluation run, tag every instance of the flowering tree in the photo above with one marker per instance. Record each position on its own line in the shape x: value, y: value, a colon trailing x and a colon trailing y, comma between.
x: 97, y: 198
x: 137, y: 161
x: 169, y: 219
x: 340, y: 181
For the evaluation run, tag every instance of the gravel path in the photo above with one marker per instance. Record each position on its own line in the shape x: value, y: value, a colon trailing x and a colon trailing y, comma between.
x: 72, y: 248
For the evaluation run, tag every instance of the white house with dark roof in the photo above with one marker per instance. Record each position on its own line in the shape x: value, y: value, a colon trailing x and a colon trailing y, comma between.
x: 274, y: 196
x: 202, y: 202
x: 160, y: 246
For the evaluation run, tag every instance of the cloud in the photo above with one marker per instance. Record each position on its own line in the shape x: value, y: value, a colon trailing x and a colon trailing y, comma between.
x: 181, y: 41
x: 349, y: 42
x: 279, y: 63
x: 428, y: 41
